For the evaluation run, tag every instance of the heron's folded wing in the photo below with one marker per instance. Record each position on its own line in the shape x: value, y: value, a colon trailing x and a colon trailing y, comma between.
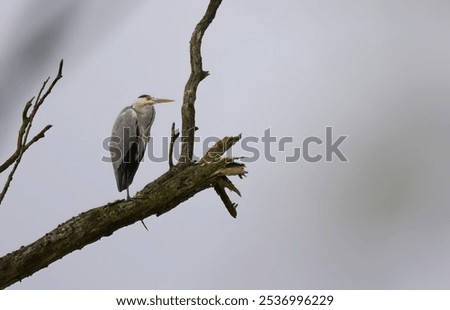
x: 123, y: 146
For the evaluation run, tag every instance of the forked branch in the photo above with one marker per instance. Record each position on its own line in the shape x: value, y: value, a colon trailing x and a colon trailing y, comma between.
x: 27, y: 121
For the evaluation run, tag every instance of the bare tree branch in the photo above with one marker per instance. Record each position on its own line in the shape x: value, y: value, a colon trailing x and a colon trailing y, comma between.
x: 158, y: 197
x: 231, y: 207
x: 178, y: 184
x: 27, y: 122
x: 197, y: 75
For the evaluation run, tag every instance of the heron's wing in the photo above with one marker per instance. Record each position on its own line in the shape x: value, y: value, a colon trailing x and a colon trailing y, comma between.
x: 124, y: 147
x: 144, y: 125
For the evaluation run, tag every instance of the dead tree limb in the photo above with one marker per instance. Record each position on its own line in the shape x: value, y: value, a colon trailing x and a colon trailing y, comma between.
x: 197, y: 75
x: 181, y: 182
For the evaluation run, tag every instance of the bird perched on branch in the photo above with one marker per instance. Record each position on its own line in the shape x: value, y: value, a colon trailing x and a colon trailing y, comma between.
x: 129, y: 138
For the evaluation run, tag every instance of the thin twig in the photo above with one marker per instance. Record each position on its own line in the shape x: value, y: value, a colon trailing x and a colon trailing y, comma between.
x: 173, y: 137
x: 145, y: 226
x: 38, y: 98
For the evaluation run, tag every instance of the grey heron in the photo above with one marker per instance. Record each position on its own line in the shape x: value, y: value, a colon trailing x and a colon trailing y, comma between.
x: 129, y: 138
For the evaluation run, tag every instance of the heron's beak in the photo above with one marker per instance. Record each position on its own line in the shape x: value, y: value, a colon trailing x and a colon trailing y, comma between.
x: 159, y: 100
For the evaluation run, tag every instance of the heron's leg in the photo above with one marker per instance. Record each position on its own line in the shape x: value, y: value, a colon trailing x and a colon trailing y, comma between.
x: 128, y: 198
x: 128, y: 185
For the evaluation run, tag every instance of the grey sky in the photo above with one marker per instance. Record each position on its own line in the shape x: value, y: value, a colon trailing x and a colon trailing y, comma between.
x: 377, y: 71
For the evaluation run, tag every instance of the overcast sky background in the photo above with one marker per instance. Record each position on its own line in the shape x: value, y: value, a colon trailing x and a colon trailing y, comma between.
x: 376, y: 71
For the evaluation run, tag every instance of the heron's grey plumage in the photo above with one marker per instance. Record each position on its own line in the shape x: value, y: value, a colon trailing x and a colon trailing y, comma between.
x: 129, y: 138
x: 133, y: 132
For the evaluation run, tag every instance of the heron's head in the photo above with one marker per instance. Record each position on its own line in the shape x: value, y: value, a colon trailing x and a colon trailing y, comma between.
x: 147, y: 100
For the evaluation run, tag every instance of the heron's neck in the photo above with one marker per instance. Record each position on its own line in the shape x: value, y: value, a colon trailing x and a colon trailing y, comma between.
x: 142, y: 109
